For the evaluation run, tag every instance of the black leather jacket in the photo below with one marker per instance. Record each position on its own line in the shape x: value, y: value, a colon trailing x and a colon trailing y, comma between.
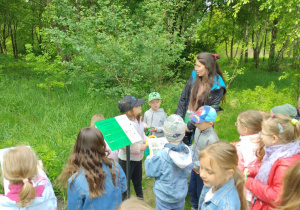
x: 213, y: 100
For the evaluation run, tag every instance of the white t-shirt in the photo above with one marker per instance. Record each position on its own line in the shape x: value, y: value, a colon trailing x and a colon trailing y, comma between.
x: 209, y: 195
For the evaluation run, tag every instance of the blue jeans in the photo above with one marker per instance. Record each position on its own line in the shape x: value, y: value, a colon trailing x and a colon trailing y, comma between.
x: 195, y: 188
x: 160, y: 205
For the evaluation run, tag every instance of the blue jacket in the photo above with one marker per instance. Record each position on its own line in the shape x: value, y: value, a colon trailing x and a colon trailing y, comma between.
x: 79, y: 196
x: 218, y: 89
x: 226, y: 198
x: 171, y: 170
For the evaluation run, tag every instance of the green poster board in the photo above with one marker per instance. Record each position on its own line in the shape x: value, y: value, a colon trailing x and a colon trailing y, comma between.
x: 118, y: 132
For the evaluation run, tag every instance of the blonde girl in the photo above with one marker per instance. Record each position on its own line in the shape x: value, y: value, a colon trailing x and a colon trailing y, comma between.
x: 223, y: 181
x: 279, y: 134
x: 93, y: 180
x: 131, y: 106
x: 248, y: 125
x: 290, y: 197
x: 28, y: 184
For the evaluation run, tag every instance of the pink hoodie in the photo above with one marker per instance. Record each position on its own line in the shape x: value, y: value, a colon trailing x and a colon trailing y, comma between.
x: 246, y: 150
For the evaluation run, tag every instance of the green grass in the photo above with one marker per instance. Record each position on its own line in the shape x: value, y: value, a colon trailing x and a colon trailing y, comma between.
x: 256, y: 89
x: 50, y: 123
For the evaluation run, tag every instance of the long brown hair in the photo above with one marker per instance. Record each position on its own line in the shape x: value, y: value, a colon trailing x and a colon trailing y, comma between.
x: 290, y: 197
x: 205, y: 83
x: 89, y: 153
x: 225, y: 155
x: 19, y: 164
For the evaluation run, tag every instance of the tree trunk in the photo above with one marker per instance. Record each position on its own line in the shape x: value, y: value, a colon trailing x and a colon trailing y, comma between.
x: 258, y: 45
x: 253, y: 45
x: 242, y: 52
x: 283, y: 48
x: 285, y: 45
x: 232, y: 38
x: 226, y: 50
x: 5, y: 35
x: 265, y: 44
x: 246, y: 42
x: 296, y: 62
x: 290, y: 52
x: 1, y: 49
x: 210, y: 17
x: 273, y: 38
x: 13, y: 35
x: 237, y: 49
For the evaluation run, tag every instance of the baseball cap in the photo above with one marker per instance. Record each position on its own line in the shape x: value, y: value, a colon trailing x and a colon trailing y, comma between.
x: 174, y: 128
x: 128, y: 102
x: 204, y: 113
x: 154, y: 95
x: 285, y: 109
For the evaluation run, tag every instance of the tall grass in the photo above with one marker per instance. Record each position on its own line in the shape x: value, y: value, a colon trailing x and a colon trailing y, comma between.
x: 50, y: 125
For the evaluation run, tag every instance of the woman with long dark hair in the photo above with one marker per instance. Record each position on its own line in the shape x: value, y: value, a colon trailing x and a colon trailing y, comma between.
x: 206, y: 86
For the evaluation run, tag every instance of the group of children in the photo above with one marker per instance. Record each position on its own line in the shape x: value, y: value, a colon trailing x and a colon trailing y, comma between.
x: 261, y: 171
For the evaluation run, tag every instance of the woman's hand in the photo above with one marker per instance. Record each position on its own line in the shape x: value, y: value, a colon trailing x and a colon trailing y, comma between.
x: 186, y: 129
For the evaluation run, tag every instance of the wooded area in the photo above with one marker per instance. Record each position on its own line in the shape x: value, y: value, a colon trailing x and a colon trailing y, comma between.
x: 122, y: 42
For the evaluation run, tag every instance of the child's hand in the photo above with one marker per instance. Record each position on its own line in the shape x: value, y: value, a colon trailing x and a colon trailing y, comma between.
x: 40, y: 165
x: 146, y: 127
x: 246, y: 172
x: 144, y: 147
x: 153, y: 129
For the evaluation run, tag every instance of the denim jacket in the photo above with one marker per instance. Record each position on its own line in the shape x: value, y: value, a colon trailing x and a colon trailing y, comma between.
x: 79, y: 196
x: 225, y: 198
x: 171, y: 170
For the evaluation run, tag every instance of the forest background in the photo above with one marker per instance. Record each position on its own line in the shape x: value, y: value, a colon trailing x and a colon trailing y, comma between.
x: 62, y: 61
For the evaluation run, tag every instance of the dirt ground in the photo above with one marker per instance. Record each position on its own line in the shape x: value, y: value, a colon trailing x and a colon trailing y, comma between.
x: 60, y: 204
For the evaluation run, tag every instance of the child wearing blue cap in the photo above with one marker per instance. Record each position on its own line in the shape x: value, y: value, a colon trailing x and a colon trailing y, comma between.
x: 205, y: 135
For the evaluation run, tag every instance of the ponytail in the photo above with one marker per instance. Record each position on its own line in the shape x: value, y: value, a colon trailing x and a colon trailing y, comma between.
x: 19, y: 163
x: 297, y: 130
x: 260, y: 152
x: 26, y: 194
x: 240, y: 187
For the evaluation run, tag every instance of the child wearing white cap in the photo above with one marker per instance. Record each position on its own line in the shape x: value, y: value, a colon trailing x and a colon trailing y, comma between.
x: 171, y: 166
